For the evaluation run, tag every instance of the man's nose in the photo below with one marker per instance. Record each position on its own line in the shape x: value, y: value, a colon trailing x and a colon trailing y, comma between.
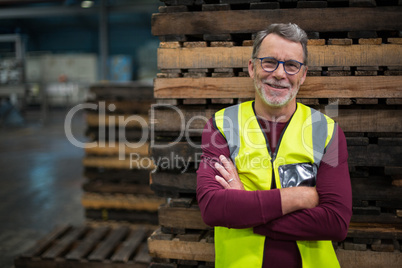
x: 280, y: 72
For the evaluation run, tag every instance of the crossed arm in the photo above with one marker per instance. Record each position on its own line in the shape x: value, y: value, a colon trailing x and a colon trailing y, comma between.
x: 292, y: 199
x: 299, y: 213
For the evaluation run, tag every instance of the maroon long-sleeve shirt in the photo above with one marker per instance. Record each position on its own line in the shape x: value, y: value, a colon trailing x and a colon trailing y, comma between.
x: 262, y: 211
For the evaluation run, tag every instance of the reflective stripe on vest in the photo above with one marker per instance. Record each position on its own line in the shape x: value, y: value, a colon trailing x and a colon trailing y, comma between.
x: 303, y: 140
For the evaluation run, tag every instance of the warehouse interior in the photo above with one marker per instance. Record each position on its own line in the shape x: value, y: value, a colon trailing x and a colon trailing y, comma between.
x: 50, y: 52
x: 103, y: 104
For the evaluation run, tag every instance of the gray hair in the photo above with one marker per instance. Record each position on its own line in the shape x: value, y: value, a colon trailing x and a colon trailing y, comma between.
x: 289, y: 31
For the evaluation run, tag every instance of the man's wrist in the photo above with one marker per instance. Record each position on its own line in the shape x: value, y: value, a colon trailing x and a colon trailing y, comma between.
x: 296, y: 198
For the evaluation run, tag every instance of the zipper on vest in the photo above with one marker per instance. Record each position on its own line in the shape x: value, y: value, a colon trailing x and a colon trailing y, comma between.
x: 273, y: 155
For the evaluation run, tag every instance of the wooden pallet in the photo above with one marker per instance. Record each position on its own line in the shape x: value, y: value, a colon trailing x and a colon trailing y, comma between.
x: 354, y: 64
x: 198, y: 247
x: 86, y: 246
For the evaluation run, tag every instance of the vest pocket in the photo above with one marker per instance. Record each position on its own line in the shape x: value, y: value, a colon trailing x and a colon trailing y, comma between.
x: 299, y: 174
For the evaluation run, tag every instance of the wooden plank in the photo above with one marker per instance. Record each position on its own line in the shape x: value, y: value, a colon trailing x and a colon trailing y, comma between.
x: 179, y: 154
x: 340, y: 42
x: 375, y: 189
x: 238, y: 57
x: 375, y: 230
x: 251, y: 21
x: 122, y: 215
x: 109, y: 244
x: 133, y: 162
x: 129, y: 90
x: 353, y: 120
x: 87, y: 244
x: 385, y: 218
x: 104, y: 135
x: 124, y: 188
x: 177, y: 183
x: 183, y: 250
x: 45, y: 242
x: 64, y: 243
x: 121, y: 201
x: 362, y: 3
x: 63, y: 264
x: 130, y: 245
x: 173, y: 119
x: 128, y: 106
x: 313, y: 87
x: 131, y: 176
x: 180, y: 217
x: 370, y: 120
x: 368, y: 259
x: 375, y: 155
x: 143, y: 255
x: 110, y: 120
x: 114, y: 149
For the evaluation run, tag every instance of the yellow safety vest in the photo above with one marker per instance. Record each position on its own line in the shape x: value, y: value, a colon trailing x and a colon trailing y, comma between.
x: 301, y: 146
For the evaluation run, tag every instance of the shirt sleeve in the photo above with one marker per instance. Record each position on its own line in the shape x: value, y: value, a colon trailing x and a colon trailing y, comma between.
x: 228, y: 207
x: 330, y: 219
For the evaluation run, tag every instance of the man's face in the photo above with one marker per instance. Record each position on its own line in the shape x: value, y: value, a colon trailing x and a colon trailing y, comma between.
x: 277, y: 88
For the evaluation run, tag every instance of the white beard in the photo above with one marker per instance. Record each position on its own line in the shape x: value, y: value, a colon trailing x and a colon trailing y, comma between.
x: 275, y: 99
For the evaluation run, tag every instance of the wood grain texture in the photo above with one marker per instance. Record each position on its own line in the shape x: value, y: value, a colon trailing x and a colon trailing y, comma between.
x: 121, y: 201
x: 132, y: 162
x: 181, y: 249
x: 238, y: 57
x: 313, y: 87
x: 178, y: 217
x: 116, y: 148
x: 250, y: 21
x: 368, y: 259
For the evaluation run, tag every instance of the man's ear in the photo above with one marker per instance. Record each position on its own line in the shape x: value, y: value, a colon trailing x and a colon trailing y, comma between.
x: 251, y: 68
x: 304, y: 75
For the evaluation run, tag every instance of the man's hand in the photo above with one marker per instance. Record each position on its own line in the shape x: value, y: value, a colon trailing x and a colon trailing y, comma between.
x: 292, y: 199
x: 296, y: 198
x: 230, y: 177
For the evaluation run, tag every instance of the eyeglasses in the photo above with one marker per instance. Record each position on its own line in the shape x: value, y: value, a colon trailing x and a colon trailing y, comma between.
x: 291, y: 67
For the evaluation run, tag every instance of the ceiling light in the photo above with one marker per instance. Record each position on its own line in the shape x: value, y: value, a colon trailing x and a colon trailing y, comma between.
x: 87, y: 4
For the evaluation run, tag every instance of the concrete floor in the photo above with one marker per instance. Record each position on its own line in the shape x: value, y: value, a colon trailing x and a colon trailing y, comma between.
x: 41, y: 175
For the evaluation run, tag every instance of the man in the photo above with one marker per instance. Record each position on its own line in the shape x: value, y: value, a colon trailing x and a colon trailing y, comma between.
x: 255, y: 153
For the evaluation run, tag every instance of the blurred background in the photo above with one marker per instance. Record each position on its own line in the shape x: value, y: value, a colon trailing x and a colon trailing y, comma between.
x: 50, y: 54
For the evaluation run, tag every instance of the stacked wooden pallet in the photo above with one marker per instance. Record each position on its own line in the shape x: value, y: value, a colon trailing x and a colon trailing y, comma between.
x: 117, y: 162
x: 89, y: 246
x: 355, y: 76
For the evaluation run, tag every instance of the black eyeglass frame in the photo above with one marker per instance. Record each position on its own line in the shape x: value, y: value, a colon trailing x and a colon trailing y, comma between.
x: 280, y: 62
